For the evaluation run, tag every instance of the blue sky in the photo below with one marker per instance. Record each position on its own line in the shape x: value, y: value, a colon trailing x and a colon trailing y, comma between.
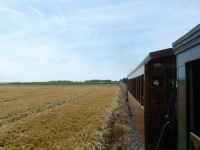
x: 81, y: 40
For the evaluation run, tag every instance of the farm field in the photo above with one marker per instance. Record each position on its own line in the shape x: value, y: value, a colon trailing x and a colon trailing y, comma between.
x: 54, y: 116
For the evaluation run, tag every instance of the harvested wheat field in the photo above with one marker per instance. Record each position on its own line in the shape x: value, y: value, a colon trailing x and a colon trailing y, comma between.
x: 67, y: 117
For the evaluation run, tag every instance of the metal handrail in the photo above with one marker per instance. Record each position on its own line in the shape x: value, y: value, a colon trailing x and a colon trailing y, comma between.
x: 194, y: 141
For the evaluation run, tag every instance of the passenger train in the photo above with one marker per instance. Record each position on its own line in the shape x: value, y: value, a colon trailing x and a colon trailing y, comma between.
x: 150, y: 85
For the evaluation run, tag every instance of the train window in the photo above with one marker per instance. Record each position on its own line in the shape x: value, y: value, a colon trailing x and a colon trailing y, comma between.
x: 156, y: 82
x: 142, y: 90
x: 172, y: 82
x: 157, y: 64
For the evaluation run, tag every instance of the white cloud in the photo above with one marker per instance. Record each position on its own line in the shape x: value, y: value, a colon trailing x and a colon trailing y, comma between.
x: 39, y: 13
x: 62, y: 19
x: 10, y: 11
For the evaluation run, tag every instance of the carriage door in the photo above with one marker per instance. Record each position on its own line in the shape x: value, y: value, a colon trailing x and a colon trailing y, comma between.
x: 156, y: 108
x: 193, y: 101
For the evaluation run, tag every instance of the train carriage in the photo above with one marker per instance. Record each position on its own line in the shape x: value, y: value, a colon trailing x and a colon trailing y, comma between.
x: 187, y: 51
x: 149, y: 89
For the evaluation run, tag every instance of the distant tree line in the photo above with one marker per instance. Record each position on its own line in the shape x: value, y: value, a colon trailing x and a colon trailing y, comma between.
x: 66, y: 82
x: 61, y: 81
x: 97, y: 80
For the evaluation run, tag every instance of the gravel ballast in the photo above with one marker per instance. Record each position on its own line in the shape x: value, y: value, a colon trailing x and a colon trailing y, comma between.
x: 136, y: 141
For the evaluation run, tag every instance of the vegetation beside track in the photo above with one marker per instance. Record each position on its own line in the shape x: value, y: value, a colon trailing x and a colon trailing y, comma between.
x: 120, y: 125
